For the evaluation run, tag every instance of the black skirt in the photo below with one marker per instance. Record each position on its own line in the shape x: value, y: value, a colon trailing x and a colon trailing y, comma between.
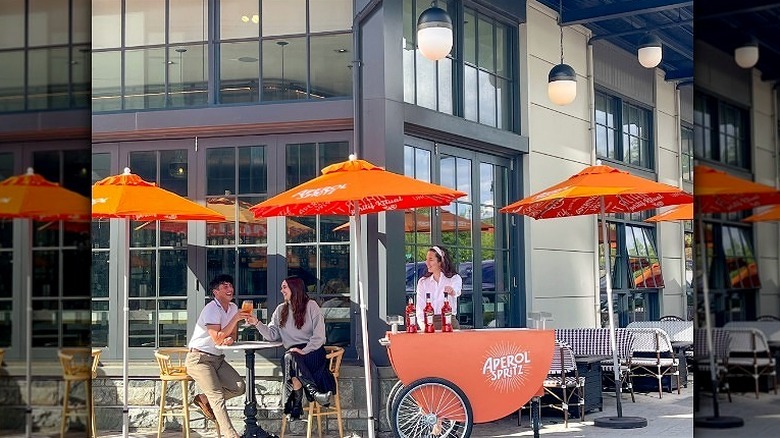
x: 308, y: 368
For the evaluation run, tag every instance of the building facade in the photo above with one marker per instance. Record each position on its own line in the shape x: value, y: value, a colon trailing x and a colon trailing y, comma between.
x: 229, y: 103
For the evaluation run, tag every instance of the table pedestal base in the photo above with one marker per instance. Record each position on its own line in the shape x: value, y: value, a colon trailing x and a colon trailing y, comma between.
x: 252, y: 429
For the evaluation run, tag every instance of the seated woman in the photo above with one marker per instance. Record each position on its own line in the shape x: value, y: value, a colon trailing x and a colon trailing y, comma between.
x: 299, y: 324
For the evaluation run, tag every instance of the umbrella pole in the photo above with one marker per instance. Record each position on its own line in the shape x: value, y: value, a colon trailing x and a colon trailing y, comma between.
x: 364, y: 324
x: 125, y: 330
x: 618, y: 422
x: 715, y: 421
x: 28, y: 348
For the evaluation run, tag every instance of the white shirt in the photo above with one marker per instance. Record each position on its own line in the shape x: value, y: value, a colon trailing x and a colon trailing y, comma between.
x: 212, y: 314
x: 436, y: 289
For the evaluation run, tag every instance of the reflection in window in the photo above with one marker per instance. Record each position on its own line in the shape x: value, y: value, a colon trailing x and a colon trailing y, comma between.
x: 55, y: 72
x: 686, y: 160
x: 636, y: 271
x: 488, y: 89
x: 318, y: 246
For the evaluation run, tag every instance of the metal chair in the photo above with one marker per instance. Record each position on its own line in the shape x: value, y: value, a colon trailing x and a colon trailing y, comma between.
x: 564, y: 377
x: 173, y: 369
x: 78, y: 365
x: 333, y: 355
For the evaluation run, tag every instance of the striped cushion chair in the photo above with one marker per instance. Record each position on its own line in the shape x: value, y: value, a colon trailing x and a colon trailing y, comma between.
x: 749, y: 355
x: 653, y: 356
x: 720, y: 342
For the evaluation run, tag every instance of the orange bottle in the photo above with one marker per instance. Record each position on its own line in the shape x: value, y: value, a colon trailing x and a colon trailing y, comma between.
x: 411, y: 317
x: 428, y: 311
x: 446, y: 314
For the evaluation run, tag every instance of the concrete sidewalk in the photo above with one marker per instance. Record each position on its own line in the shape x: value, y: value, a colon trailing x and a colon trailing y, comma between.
x: 670, y: 416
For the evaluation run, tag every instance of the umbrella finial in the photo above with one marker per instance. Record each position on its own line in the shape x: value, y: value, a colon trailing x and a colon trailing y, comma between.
x: 30, y: 171
x: 126, y: 171
x: 352, y: 157
x: 598, y: 162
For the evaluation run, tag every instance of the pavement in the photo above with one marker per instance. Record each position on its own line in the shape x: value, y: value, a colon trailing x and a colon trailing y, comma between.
x: 670, y: 416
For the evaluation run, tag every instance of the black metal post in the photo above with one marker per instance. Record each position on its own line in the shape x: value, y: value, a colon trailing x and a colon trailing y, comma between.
x: 252, y: 430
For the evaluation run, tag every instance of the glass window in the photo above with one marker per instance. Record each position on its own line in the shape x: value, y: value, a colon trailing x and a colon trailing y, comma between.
x: 187, y: 75
x: 47, y: 78
x: 236, y: 179
x: 471, y: 239
x: 686, y: 160
x: 12, y: 81
x: 488, y: 85
x: 48, y: 22
x: 11, y: 25
x: 294, y: 12
x: 60, y: 302
x: 145, y: 22
x: 239, y: 72
x: 144, y: 78
x: 721, y: 131
x: 331, y: 62
x: 318, y: 246
x: 632, y: 143
x: 284, y: 69
x: 106, y: 24
x: 330, y: 15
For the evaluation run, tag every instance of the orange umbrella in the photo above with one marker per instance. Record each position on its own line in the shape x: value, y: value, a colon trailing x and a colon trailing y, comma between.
x: 356, y: 187
x: 34, y: 197
x: 583, y: 193
x: 31, y: 196
x: 348, y: 185
x: 127, y: 196
x: 600, y: 190
x: 683, y: 212
x: 718, y: 192
x: 421, y: 222
x: 772, y: 214
x: 249, y: 224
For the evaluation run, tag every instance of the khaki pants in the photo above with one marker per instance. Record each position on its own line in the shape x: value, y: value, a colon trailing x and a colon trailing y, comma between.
x: 219, y: 382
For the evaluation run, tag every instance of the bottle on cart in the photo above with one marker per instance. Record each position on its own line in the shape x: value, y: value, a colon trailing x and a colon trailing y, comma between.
x: 446, y: 314
x: 428, y: 312
x: 411, y: 317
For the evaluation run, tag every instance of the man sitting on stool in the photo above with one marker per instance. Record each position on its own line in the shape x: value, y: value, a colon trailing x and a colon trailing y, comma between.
x: 217, y: 325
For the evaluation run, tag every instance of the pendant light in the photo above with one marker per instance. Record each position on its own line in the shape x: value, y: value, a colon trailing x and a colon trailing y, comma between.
x: 434, y: 33
x: 746, y: 56
x: 650, y: 52
x: 562, y: 80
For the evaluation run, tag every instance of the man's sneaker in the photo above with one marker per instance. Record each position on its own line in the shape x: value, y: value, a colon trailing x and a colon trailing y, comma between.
x: 202, y: 402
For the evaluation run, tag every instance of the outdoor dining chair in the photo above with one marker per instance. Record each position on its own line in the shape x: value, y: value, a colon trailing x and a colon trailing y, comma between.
x: 564, y: 383
x: 334, y: 356
x: 653, y: 356
x: 79, y: 365
x: 749, y: 355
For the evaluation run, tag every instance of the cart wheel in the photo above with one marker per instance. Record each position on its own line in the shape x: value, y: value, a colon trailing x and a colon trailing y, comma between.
x: 394, y: 391
x: 432, y: 407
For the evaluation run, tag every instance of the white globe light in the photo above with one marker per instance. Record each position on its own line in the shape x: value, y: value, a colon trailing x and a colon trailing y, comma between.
x: 434, y: 33
x: 746, y: 56
x: 649, y: 57
x: 435, y: 43
x: 562, y: 84
x: 562, y: 92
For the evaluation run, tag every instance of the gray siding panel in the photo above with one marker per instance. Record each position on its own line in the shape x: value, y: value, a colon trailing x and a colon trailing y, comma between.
x: 620, y: 71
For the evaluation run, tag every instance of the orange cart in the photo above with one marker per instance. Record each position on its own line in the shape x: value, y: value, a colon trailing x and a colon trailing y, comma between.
x: 449, y: 381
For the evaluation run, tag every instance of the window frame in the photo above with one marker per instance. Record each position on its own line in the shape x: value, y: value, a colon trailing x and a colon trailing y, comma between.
x: 621, y: 105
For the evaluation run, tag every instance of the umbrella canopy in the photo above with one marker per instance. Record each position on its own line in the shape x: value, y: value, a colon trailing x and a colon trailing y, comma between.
x: 421, y: 222
x: 342, y: 184
x: 249, y: 225
x: 772, y: 214
x: 600, y: 190
x: 129, y: 196
x: 682, y: 212
x: 582, y: 195
x: 357, y: 187
x: 718, y: 192
x: 34, y: 197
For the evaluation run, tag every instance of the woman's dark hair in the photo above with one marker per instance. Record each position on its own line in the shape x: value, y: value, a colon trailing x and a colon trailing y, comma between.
x: 447, y: 267
x: 299, y: 299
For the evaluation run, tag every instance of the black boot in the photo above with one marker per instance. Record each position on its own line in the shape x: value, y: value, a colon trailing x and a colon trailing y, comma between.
x: 323, y: 398
x: 288, y: 404
x: 296, y: 404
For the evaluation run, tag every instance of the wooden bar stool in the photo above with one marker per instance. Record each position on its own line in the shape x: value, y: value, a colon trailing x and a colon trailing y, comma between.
x: 77, y: 366
x: 173, y: 369
x: 334, y: 355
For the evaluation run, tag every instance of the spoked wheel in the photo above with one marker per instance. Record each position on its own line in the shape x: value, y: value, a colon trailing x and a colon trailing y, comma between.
x: 394, y: 391
x: 432, y: 408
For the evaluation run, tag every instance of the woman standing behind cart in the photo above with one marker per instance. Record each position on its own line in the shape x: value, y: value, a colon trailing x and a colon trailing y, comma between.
x: 441, y: 277
x: 299, y: 324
